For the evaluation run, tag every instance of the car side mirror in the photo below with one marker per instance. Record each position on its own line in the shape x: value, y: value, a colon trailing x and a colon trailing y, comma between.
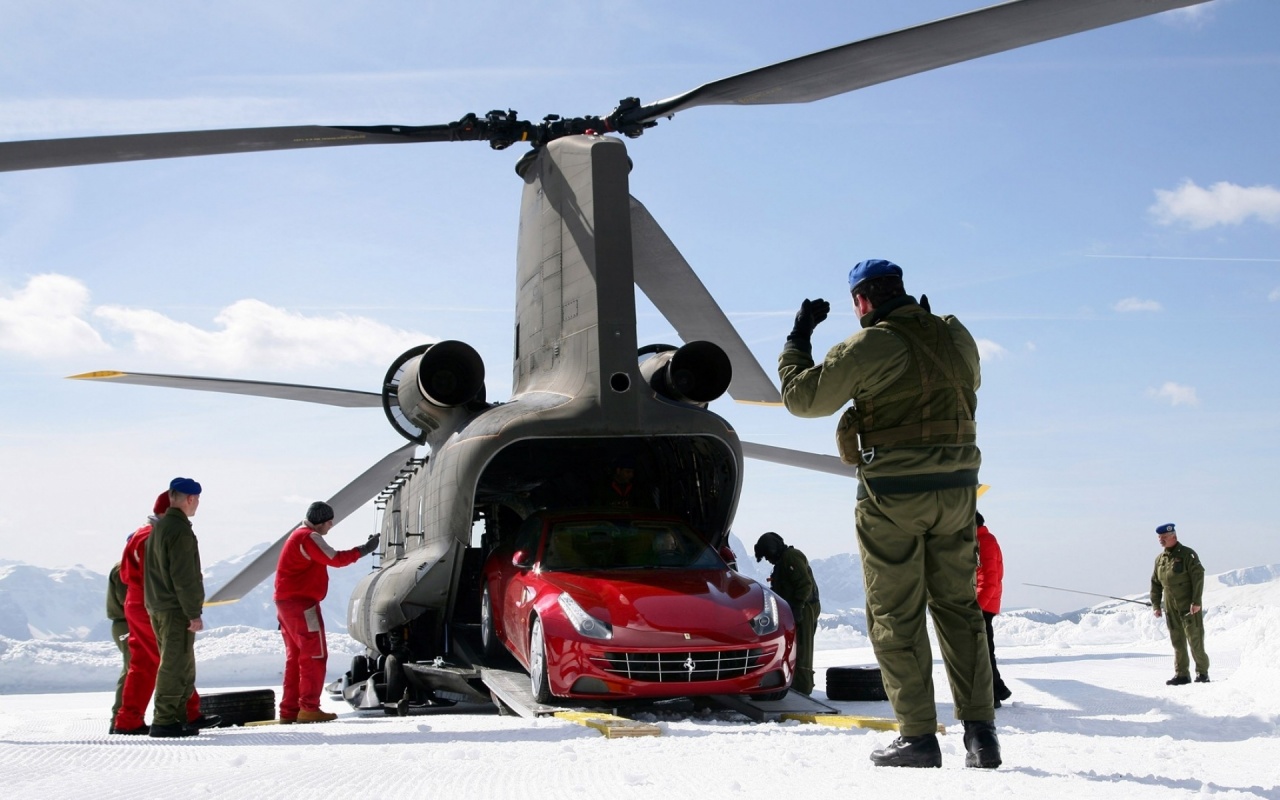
x: 522, y: 559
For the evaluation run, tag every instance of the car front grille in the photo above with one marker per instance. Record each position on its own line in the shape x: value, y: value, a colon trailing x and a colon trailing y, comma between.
x: 688, y: 666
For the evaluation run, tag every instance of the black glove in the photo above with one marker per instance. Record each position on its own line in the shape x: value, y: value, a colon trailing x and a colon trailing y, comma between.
x: 369, y: 546
x: 811, y: 313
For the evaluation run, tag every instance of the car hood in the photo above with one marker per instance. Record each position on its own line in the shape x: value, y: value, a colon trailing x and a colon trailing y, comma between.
x: 680, y: 600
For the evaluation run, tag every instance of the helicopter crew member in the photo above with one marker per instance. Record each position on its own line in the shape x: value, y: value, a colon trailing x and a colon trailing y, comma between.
x: 144, y: 653
x: 116, y: 591
x: 989, y: 584
x: 621, y: 490
x: 793, y: 581
x: 913, y: 379
x: 302, y: 581
x: 1178, y: 583
x: 174, y: 595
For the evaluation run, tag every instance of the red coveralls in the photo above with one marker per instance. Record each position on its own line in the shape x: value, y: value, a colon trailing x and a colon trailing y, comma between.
x: 144, y: 653
x: 302, y: 581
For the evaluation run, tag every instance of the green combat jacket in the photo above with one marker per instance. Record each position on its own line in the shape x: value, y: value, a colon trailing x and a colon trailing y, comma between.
x: 172, y: 579
x: 1178, y: 579
x: 793, y: 580
x: 899, y: 374
x: 115, y: 594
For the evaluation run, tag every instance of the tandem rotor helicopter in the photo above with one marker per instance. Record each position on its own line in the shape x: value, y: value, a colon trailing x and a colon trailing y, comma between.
x: 585, y: 392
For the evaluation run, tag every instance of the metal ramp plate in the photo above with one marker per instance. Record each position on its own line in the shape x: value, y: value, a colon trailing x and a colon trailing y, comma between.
x: 512, y: 689
x: 774, y: 710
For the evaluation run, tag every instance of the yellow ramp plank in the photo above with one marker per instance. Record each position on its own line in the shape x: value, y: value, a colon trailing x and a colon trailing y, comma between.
x: 611, y: 726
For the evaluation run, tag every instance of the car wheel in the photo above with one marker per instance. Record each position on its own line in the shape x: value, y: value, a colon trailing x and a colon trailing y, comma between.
x: 769, y: 696
x: 237, y: 708
x: 489, y: 643
x: 855, y: 683
x: 538, y: 679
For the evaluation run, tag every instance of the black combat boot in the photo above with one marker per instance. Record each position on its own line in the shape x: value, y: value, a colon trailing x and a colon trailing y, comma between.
x: 981, y: 743
x: 1178, y: 680
x: 1202, y: 677
x: 205, y: 721
x: 910, y: 751
x: 172, y: 731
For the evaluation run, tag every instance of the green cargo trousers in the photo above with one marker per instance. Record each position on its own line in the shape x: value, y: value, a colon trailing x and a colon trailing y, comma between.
x: 120, y: 635
x: 917, y: 550
x: 806, y: 616
x: 176, y: 675
x: 1186, y: 628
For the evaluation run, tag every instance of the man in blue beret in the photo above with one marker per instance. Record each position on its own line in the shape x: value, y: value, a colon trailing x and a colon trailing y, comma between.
x: 910, y: 381
x: 1177, y: 594
x: 174, y: 589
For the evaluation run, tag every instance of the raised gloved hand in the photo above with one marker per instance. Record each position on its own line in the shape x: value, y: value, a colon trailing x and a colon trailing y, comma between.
x: 811, y: 313
x: 369, y: 546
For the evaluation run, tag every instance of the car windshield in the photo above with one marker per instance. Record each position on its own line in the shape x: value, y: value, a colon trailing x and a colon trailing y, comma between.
x: 625, y: 544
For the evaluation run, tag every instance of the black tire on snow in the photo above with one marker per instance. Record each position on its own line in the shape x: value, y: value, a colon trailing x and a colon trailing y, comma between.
x: 394, y: 680
x: 360, y: 670
x: 237, y: 708
x: 855, y: 683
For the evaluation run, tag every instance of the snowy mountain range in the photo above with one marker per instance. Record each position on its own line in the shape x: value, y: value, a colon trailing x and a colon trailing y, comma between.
x: 69, y: 604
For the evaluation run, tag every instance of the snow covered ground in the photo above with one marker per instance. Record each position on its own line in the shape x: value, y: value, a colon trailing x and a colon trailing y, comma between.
x: 1090, y: 717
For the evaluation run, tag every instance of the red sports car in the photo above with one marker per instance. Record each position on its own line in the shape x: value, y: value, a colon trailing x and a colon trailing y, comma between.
x: 609, y: 604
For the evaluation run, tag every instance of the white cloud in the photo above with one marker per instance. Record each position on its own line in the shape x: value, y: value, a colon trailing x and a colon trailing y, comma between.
x: 1221, y: 204
x: 1176, y: 394
x: 44, y: 319
x: 988, y: 349
x: 1137, y: 304
x: 52, y: 317
x: 252, y: 333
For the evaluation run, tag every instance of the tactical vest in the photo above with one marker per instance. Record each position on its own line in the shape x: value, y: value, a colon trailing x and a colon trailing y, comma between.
x: 931, y: 403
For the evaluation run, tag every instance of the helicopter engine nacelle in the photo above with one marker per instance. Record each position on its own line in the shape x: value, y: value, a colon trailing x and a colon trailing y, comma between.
x: 424, y: 383
x: 697, y: 373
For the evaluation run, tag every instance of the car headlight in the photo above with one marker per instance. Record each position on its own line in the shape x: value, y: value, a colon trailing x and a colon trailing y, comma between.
x: 583, y: 622
x: 766, y: 621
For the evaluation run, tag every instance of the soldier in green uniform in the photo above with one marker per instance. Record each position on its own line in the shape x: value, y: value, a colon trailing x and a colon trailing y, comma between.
x: 912, y: 378
x: 1177, y: 592
x: 793, y: 581
x: 174, y: 591
x: 119, y: 633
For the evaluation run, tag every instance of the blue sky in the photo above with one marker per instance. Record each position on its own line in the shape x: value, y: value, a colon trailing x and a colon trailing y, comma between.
x: 1102, y: 211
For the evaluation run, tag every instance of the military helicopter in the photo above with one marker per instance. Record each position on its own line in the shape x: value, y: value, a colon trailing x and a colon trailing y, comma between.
x: 584, y: 389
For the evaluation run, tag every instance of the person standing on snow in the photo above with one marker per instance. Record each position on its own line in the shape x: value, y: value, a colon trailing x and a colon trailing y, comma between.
x: 1178, y: 582
x: 302, y: 581
x: 913, y: 379
x: 116, y: 591
x: 174, y: 595
x: 792, y: 580
x: 989, y: 583
x: 144, y: 653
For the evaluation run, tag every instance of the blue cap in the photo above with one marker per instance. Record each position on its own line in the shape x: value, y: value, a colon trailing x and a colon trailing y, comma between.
x: 184, y: 485
x: 872, y: 268
x: 1166, y: 528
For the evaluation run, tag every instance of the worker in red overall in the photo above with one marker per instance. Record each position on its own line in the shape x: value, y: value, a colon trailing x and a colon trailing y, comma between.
x: 144, y: 653
x: 302, y: 581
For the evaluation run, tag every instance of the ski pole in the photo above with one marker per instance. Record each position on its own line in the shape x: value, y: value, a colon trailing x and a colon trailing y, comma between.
x: 1094, y: 594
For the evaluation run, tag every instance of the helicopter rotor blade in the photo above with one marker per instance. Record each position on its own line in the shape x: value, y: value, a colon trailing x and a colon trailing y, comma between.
x: 349, y: 499
x: 671, y: 284
x: 46, y: 153
x: 799, y: 458
x: 345, y: 398
x: 908, y: 52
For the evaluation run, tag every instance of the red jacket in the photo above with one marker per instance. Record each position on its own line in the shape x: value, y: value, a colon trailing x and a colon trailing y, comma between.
x: 302, y: 572
x: 990, y: 579
x: 132, y: 563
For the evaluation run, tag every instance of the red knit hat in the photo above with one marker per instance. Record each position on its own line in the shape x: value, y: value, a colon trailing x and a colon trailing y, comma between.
x: 162, y: 504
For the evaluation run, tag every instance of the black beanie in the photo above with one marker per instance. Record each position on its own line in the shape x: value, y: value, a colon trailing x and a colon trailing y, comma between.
x: 319, y: 512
